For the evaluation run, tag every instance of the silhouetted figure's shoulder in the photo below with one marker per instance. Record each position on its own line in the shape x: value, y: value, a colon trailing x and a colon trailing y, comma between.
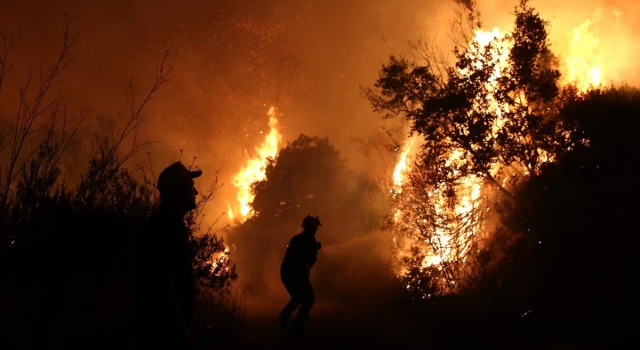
x: 303, y: 243
x: 303, y: 239
x: 301, y: 252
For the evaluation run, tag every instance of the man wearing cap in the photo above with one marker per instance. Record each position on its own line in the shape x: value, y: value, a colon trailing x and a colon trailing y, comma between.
x: 300, y: 257
x: 166, y: 286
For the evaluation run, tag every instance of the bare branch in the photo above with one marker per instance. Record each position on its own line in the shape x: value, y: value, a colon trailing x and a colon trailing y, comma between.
x: 31, y: 108
x: 8, y: 44
x: 132, y: 127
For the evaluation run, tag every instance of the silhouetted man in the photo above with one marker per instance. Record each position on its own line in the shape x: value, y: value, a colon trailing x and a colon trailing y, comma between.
x: 300, y: 257
x: 166, y: 286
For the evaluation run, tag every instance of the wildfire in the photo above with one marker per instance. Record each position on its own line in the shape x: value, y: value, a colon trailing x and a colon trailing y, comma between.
x: 253, y: 170
x: 448, y: 234
x: 584, y: 62
x: 453, y: 227
x: 584, y: 54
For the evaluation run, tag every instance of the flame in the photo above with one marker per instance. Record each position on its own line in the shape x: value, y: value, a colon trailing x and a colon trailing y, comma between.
x: 585, y: 56
x: 254, y: 169
x: 230, y: 212
x: 584, y: 62
x: 220, y: 262
x: 399, y: 173
x: 402, y: 167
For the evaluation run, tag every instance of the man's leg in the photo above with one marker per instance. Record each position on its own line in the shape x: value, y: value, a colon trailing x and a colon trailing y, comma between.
x: 290, y: 308
x: 308, y: 299
x: 294, y: 291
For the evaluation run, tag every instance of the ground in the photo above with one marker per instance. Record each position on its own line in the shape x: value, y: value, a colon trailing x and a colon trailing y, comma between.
x: 333, y: 324
x: 80, y: 319
x: 379, y: 323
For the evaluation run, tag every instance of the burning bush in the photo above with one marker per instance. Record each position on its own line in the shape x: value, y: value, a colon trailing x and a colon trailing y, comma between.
x: 489, y: 123
x: 517, y: 181
x: 59, y: 240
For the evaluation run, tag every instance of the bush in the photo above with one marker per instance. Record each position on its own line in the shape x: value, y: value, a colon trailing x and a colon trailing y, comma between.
x: 584, y: 217
x: 571, y: 262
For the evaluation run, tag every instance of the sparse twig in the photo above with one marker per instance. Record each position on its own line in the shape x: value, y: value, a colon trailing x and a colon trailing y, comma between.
x: 8, y: 44
x: 30, y: 109
x: 111, y: 155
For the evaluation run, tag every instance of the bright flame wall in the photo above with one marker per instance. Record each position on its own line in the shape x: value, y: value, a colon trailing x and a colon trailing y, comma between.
x: 595, y: 41
x: 254, y: 170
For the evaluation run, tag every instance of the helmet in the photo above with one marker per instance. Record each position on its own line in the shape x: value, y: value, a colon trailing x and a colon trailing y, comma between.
x: 311, y: 223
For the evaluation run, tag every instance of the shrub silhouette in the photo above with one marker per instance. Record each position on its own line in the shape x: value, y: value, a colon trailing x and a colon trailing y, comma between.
x: 68, y: 250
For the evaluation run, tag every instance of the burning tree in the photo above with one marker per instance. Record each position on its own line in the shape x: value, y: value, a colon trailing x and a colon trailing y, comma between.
x: 488, y: 122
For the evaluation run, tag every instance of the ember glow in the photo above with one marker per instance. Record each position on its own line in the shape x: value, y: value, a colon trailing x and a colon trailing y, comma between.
x: 254, y: 171
x: 220, y: 262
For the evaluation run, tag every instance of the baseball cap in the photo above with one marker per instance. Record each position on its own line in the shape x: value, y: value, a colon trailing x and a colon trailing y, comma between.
x: 176, y: 175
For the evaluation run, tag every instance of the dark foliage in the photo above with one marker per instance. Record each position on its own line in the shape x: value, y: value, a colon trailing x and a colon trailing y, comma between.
x: 585, y: 223
x: 574, y: 262
x: 62, y: 243
x: 67, y: 253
